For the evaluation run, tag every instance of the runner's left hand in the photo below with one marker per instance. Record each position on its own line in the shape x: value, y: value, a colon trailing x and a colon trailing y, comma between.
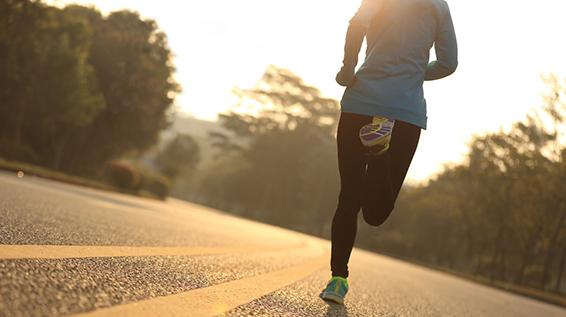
x: 345, y: 77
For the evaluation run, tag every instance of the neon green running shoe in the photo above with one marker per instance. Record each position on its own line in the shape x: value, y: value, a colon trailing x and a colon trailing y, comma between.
x: 335, y: 290
x: 376, y: 136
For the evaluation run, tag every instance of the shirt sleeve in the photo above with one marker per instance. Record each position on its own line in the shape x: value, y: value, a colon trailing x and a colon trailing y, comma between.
x: 366, y: 12
x: 357, y: 29
x: 446, y: 48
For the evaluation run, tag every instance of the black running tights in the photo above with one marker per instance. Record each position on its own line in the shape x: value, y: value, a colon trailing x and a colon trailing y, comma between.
x: 371, y: 184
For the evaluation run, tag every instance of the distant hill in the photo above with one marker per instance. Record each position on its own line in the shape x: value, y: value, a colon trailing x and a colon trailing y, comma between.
x: 198, y: 129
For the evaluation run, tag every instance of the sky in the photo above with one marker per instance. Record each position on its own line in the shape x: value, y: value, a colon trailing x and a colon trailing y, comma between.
x: 504, y: 47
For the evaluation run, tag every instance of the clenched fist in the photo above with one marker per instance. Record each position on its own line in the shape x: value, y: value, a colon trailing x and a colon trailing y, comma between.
x: 345, y: 77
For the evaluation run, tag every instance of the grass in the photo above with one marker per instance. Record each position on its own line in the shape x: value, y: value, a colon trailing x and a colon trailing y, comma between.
x: 43, y: 172
x: 46, y: 173
x: 39, y: 171
x: 548, y: 297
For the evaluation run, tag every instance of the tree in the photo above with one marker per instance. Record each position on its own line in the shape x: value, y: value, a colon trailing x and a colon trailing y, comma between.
x: 79, y: 89
x: 19, y: 23
x: 133, y: 66
x: 502, y: 214
x: 286, y: 140
x: 50, y: 88
x: 70, y: 100
x: 180, y: 155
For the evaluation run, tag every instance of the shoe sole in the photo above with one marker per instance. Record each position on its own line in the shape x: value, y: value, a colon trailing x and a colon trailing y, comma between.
x: 376, y: 141
x: 332, y: 297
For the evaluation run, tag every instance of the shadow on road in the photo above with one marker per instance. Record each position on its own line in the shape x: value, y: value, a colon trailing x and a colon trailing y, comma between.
x: 336, y: 310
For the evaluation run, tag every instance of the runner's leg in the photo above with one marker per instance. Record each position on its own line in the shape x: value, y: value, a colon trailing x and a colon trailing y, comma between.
x: 386, y: 173
x: 352, y: 165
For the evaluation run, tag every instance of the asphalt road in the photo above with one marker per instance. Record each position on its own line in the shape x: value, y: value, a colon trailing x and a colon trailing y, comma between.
x: 67, y: 250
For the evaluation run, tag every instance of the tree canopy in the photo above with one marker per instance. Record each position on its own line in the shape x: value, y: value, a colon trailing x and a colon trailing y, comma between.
x: 79, y: 88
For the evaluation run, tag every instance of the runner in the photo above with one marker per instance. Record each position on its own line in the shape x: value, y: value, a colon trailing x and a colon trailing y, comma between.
x: 382, y: 112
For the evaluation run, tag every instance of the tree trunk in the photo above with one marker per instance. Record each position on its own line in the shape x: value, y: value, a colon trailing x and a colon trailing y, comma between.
x: 497, y: 250
x: 74, y: 162
x: 560, y: 271
x: 550, y: 252
x: 503, y: 263
x: 469, y: 239
x: 18, y: 122
x: 527, y: 254
x: 59, y: 145
x: 479, y: 264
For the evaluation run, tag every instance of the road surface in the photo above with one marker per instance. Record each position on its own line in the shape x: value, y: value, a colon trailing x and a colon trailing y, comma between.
x: 68, y: 250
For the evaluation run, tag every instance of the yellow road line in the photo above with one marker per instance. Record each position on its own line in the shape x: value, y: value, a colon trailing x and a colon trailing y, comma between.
x: 214, y: 300
x: 66, y: 252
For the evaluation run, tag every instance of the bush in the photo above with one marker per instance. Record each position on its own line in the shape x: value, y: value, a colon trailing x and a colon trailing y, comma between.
x: 135, y: 178
x: 13, y: 151
x: 122, y: 175
x: 154, y: 183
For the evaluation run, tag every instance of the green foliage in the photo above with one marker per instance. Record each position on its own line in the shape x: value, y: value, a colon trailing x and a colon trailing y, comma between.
x: 33, y: 170
x: 49, y: 88
x: 132, y: 63
x: 500, y: 216
x: 122, y: 174
x: 12, y: 150
x: 79, y: 89
x: 131, y: 177
x: 181, y: 154
x: 156, y: 184
x: 267, y: 163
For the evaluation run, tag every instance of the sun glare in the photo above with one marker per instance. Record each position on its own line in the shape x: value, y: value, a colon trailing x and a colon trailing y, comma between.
x: 220, y: 45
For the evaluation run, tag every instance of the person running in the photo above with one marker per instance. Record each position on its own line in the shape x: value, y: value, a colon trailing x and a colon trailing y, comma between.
x: 383, y: 110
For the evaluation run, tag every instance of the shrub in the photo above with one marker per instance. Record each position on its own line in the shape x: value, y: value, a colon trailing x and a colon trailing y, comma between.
x: 122, y: 174
x: 155, y: 183
x: 12, y: 151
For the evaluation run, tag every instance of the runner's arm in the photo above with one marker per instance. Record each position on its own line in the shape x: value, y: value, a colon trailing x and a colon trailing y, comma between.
x: 354, y: 38
x: 446, y: 48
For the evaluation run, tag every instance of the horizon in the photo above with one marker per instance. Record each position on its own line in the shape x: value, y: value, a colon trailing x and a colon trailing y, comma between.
x: 503, y: 61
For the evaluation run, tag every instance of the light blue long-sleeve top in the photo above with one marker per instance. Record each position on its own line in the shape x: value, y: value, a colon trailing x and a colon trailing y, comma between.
x: 399, y: 35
